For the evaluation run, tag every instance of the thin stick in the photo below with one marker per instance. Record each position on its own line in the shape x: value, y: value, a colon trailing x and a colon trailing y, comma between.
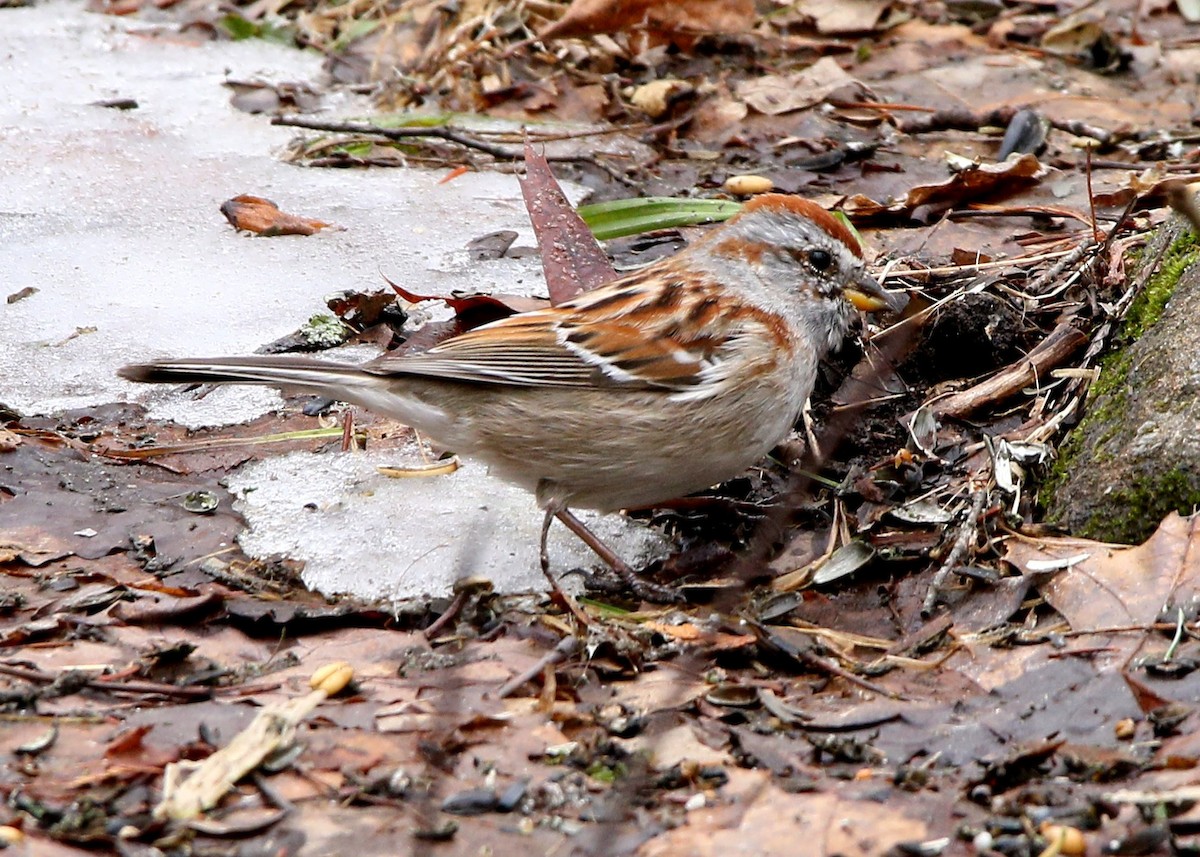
x: 1062, y: 342
x: 138, y: 687
x: 450, y: 135
x: 1091, y: 196
x: 447, y: 134
x: 966, y: 534
x: 566, y: 647
x: 974, y: 269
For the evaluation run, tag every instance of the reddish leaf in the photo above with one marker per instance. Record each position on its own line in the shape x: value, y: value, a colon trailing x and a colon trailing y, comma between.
x: 263, y: 217
x: 474, y: 309
x: 127, y: 741
x: 679, y: 23
x: 571, y: 259
x: 469, y: 311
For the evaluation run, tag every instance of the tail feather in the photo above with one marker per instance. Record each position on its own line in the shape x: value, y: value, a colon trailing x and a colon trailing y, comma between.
x: 384, y: 394
x: 320, y: 376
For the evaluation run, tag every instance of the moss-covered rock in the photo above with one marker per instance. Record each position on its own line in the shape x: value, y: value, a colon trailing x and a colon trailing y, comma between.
x: 1136, y: 454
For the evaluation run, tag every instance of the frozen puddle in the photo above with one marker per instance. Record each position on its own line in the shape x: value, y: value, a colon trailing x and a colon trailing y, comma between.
x: 113, y: 217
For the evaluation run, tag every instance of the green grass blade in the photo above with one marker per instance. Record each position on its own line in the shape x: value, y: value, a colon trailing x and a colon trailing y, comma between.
x: 622, y: 217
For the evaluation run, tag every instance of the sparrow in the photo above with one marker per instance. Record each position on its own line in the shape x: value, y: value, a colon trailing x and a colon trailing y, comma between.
x: 668, y: 380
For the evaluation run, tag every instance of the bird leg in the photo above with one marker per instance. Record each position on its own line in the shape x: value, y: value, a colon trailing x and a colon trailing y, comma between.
x: 642, y: 589
x: 564, y: 598
x: 551, y: 511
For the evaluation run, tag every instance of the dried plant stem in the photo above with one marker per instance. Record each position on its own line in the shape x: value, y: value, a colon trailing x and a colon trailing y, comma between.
x: 566, y: 647
x: 966, y: 535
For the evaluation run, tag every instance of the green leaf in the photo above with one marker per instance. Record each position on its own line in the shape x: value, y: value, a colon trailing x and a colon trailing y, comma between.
x: 353, y: 31
x: 238, y: 27
x: 418, y: 120
x: 356, y: 150
x: 622, y: 217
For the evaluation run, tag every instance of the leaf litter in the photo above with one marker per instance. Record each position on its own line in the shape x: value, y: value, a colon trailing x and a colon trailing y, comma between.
x: 940, y: 673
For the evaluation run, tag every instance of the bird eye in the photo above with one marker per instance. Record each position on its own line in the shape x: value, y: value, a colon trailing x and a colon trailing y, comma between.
x: 820, y: 259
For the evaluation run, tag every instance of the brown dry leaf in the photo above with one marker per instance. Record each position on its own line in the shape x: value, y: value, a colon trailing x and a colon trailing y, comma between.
x: 127, y: 740
x: 263, y: 217
x: 678, y: 23
x: 756, y: 817
x: 844, y: 16
x: 686, y: 632
x: 1111, y: 587
x: 718, y: 117
x: 571, y: 259
x: 663, y: 688
x: 713, y: 641
x: 774, y: 94
x: 32, y: 546
x: 677, y: 745
x: 473, y: 309
x: 980, y: 180
x: 8, y: 440
x: 1076, y: 35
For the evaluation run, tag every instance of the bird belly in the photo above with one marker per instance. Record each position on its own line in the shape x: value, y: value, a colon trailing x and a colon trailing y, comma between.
x: 613, y: 449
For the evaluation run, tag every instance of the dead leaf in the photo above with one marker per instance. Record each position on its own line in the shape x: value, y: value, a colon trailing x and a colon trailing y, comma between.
x: 571, y: 259
x: 473, y: 309
x: 774, y: 94
x: 9, y: 440
x: 1112, y: 587
x: 676, y: 23
x: 757, y: 817
x: 127, y: 741
x: 676, y: 746
x: 32, y: 546
x: 263, y: 217
x: 974, y: 182
x: 833, y: 17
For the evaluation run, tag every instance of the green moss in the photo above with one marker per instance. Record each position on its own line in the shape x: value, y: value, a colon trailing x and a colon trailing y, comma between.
x: 1106, y: 402
x: 1108, y: 396
x: 1148, y: 306
x: 1131, y: 514
x: 324, y: 331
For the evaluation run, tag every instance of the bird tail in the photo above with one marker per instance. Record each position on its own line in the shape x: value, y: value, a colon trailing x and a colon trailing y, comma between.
x: 346, y: 382
x: 321, y: 377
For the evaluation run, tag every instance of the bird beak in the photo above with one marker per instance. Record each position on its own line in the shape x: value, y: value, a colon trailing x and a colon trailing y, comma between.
x: 867, y: 295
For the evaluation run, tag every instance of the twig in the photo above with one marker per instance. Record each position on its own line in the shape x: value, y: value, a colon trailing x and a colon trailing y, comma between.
x: 1062, y: 342
x: 447, y: 134
x: 1048, y: 276
x: 450, y: 135
x: 1013, y: 262
x: 1091, y: 195
x: 566, y: 647
x: 139, y: 687
x: 781, y: 644
x: 966, y: 534
x: 957, y: 119
x: 1102, y: 136
x: 452, y: 611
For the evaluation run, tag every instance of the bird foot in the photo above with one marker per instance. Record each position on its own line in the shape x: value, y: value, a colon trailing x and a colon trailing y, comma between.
x: 621, y: 584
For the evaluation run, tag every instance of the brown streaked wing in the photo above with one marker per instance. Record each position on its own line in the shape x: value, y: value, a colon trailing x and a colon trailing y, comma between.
x: 632, y: 334
x: 522, y: 350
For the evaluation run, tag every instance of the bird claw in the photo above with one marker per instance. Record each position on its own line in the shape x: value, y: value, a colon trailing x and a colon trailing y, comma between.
x: 605, y: 584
